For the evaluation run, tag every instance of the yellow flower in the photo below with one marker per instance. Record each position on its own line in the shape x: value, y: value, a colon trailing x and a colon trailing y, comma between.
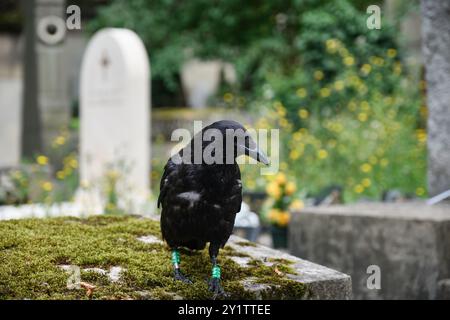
x: 366, y: 167
x: 421, y: 135
x: 42, y: 160
x: 262, y: 123
x: 294, y: 155
x: 420, y: 191
x: 297, y: 136
x: 358, y: 188
x: 391, y: 53
x: 384, y: 162
x: 325, y: 92
x: 322, y: 154
x: 283, y: 218
x: 73, y: 163
x: 67, y: 171
x: 273, y: 214
x: 280, y: 178
x: 228, y: 97
x: 362, y: 117
x: 283, y: 123
x: 376, y: 61
x: 278, y: 104
x: 366, y: 68
x: 303, y: 113
x: 349, y: 61
x: 318, y: 75
x: 290, y: 188
x: 47, y: 186
x: 60, y: 175
x: 366, y: 182
x: 301, y: 92
x: 332, y: 45
x: 273, y: 190
x: 339, y: 85
x: 297, y: 205
x: 60, y: 140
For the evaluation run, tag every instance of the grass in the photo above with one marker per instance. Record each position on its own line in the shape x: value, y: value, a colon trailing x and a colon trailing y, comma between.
x: 32, y: 251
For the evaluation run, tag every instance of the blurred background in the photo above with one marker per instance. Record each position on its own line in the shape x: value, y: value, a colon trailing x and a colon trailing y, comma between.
x: 350, y: 101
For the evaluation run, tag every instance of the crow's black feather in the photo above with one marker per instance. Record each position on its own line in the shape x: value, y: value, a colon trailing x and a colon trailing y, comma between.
x: 200, y: 201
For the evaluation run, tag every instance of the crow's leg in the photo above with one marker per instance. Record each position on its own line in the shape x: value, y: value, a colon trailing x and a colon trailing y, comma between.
x: 214, y: 283
x: 176, y: 267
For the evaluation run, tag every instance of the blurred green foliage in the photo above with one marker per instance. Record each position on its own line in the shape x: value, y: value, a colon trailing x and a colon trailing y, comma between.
x: 349, y: 111
x: 261, y: 38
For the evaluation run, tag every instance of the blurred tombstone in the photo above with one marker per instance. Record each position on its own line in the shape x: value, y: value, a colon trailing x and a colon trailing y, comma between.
x: 115, y: 119
x: 436, y: 51
x: 201, y: 80
x: 10, y: 106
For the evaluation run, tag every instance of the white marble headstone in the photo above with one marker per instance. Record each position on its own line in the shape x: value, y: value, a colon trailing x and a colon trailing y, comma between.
x: 115, y: 113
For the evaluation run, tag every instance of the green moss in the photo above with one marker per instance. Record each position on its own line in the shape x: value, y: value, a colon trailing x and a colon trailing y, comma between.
x: 280, y: 260
x: 32, y: 250
x: 246, y: 244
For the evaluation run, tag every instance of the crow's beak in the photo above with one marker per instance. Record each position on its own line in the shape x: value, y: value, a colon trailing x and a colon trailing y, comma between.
x: 257, y: 154
x: 261, y: 157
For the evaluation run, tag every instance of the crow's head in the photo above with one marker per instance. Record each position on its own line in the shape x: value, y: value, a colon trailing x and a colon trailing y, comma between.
x: 235, y: 139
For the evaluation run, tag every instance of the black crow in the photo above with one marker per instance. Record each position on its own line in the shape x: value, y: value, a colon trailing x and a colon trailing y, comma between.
x: 201, y: 196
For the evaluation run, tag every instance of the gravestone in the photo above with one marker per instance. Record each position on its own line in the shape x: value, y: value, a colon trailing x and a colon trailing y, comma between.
x: 409, y: 242
x: 201, y: 80
x: 115, y: 117
x: 436, y: 50
x: 10, y: 106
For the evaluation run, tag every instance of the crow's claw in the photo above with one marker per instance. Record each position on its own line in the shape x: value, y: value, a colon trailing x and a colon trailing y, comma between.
x: 179, y: 276
x: 216, y: 288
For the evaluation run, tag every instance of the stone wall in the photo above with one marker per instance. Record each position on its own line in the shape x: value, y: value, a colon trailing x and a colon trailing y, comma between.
x: 410, y: 242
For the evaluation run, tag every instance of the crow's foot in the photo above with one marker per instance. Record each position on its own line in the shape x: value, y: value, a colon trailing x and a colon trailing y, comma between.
x: 216, y: 288
x: 179, y: 276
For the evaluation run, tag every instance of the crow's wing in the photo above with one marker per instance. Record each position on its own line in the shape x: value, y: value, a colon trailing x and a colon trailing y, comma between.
x: 169, y: 169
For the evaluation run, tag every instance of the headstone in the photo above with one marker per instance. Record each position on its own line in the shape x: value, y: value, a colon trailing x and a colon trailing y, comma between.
x: 408, y: 242
x: 11, y: 104
x: 201, y: 80
x: 436, y: 50
x: 115, y: 115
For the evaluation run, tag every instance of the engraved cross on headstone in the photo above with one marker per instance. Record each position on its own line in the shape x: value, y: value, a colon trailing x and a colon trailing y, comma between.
x: 105, y: 63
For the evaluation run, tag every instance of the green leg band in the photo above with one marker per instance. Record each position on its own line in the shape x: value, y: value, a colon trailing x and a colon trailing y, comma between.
x: 215, y: 272
x: 175, y: 258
